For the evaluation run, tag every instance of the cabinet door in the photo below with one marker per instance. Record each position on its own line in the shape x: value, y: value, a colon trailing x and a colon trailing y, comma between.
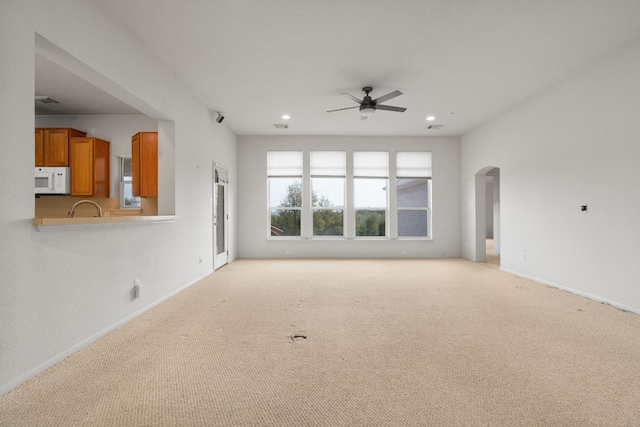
x: 56, y: 147
x: 135, y: 164
x: 149, y: 164
x: 39, y: 139
x: 144, y: 164
x: 100, y: 168
x: 81, y: 165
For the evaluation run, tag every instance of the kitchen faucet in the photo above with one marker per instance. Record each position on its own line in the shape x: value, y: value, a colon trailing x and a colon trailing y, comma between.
x: 72, y: 213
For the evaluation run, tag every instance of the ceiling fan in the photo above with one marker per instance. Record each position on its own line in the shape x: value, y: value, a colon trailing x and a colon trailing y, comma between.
x: 369, y: 106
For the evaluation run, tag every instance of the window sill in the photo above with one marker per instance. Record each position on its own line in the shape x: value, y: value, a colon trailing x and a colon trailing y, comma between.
x: 56, y: 224
x: 413, y: 238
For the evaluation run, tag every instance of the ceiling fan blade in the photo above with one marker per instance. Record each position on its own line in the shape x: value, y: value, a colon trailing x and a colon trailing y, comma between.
x: 348, y: 95
x: 363, y: 118
x: 387, y: 97
x: 340, y: 109
x: 390, y: 108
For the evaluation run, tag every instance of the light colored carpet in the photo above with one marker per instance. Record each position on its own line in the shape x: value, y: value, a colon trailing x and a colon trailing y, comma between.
x: 389, y: 343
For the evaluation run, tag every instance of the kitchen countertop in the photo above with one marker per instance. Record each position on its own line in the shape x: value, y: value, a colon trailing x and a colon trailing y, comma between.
x: 53, y: 224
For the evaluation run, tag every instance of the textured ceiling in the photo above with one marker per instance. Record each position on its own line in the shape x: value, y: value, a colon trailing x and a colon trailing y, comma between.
x: 255, y: 60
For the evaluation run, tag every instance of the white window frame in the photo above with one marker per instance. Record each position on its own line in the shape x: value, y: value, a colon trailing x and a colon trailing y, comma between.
x: 123, y: 182
x: 359, y: 175
x: 426, y: 209
x: 422, y: 172
x: 289, y: 175
x: 339, y: 172
x: 418, y: 167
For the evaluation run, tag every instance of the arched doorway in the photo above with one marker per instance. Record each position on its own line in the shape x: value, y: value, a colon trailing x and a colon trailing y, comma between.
x: 487, y: 215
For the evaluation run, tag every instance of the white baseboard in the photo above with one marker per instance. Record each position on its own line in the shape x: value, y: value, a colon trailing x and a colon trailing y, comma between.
x: 575, y: 291
x: 5, y: 388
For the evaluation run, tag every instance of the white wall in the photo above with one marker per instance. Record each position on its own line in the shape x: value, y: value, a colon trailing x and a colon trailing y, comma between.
x: 252, y: 203
x: 577, y: 143
x: 61, y: 290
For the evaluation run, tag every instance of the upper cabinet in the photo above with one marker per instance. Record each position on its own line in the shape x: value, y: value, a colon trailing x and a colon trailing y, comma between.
x: 144, y: 164
x: 52, y: 146
x: 89, y: 163
x: 39, y: 147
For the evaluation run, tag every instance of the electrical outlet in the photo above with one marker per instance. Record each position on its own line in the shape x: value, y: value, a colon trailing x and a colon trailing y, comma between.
x: 523, y: 257
x: 404, y: 252
x: 200, y: 260
x: 289, y: 252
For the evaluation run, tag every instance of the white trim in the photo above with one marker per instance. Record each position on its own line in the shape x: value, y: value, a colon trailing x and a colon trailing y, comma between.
x: 62, y: 224
x: 5, y: 388
x: 615, y: 304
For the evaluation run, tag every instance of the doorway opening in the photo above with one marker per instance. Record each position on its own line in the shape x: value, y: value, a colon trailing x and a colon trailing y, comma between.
x: 220, y: 217
x: 487, y: 221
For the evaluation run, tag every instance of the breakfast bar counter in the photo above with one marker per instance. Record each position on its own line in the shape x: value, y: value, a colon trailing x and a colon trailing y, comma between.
x: 54, y: 224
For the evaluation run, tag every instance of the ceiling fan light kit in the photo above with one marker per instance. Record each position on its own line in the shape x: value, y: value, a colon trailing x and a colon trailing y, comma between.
x: 369, y: 106
x: 367, y: 111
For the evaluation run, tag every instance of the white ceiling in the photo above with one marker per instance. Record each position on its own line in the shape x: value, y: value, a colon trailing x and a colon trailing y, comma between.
x: 255, y: 60
x: 75, y: 95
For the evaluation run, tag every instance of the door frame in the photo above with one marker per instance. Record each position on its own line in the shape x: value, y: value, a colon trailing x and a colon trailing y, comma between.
x: 480, y: 253
x: 220, y: 178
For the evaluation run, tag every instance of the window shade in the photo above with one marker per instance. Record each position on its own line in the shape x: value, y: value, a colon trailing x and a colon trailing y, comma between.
x: 284, y: 163
x: 413, y: 164
x: 371, y: 163
x: 221, y: 176
x: 328, y: 163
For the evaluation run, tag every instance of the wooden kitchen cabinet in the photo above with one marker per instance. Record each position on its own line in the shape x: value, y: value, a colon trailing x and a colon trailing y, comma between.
x: 39, y: 137
x: 54, y: 145
x: 89, y: 165
x: 144, y: 164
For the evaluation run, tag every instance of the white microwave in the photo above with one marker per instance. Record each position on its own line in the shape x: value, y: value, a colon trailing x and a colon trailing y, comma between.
x: 53, y: 180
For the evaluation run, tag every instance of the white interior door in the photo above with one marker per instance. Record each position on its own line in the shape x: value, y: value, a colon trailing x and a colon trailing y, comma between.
x: 220, y: 217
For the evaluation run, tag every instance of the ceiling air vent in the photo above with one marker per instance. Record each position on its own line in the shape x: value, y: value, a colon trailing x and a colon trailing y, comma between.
x: 434, y: 127
x: 281, y: 126
x: 46, y: 100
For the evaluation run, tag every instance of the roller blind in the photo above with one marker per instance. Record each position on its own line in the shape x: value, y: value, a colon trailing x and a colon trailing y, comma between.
x: 413, y: 164
x: 371, y: 164
x: 284, y: 163
x: 328, y: 163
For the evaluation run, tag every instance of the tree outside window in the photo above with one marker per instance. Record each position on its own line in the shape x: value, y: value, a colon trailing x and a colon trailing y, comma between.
x: 328, y: 170
x: 284, y: 169
x: 371, y: 172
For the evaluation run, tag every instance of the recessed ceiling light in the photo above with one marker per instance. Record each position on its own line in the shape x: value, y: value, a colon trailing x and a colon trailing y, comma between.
x: 286, y: 117
x: 430, y: 118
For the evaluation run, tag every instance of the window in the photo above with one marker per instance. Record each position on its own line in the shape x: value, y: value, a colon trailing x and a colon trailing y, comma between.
x: 284, y: 173
x: 328, y: 170
x: 413, y: 185
x: 127, y: 199
x: 370, y: 175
